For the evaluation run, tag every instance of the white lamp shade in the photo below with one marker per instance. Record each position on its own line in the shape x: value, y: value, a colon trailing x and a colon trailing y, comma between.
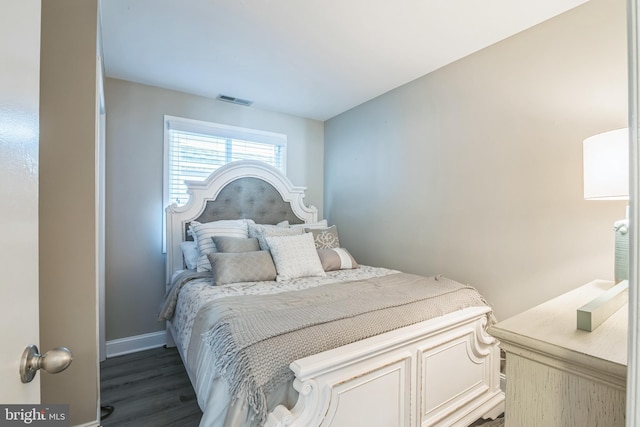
x: 606, y: 166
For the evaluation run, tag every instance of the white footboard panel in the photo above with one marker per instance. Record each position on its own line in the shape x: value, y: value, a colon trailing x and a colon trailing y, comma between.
x: 442, y: 372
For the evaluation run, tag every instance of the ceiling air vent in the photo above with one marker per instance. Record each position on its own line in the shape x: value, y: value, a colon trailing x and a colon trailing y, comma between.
x: 234, y: 100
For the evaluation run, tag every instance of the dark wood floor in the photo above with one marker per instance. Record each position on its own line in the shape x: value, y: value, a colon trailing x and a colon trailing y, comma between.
x: 150, y: 388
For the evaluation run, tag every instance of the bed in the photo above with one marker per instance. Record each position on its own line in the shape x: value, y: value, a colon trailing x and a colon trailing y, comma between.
x: 394, y: 360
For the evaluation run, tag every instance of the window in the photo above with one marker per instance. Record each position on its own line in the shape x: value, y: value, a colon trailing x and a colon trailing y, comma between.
x: 194, y: 149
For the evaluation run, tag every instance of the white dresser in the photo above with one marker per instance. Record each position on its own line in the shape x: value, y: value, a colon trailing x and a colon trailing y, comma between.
x: 558, y: 375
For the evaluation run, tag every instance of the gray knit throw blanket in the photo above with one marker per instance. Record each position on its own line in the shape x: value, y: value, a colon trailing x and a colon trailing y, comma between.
x: 254, y: 339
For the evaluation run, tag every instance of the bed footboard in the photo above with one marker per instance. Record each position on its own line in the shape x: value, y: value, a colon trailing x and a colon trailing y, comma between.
x: 445, y: 371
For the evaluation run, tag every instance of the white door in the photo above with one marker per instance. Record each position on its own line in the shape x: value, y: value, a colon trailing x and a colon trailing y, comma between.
x: 19, y: 104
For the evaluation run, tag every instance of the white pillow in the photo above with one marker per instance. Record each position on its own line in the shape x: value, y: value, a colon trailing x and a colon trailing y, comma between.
x: 190, y: 253
x: 295, y: 256
x: 203, y: 233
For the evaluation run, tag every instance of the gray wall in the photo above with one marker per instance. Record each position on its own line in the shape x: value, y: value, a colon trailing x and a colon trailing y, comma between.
x: 475, y: 171
x: 67, y: 206
x: 134, y: 259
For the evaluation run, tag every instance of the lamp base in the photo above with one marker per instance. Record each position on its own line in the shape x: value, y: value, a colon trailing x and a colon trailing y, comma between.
x: 621, y: 229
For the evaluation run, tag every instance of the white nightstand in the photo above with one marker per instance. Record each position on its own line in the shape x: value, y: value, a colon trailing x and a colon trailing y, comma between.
x: 558, y: 375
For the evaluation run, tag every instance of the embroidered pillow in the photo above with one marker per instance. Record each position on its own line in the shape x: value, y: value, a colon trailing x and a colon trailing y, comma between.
x: 336, y: 259
x: 295, y: 256
x: 229, y: 267
x: 203, y: 233
x: 325, y: 238
x: 235, y: 244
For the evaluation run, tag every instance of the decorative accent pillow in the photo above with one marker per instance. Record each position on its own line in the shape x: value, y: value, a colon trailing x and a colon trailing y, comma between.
x: 295, y: 256
x: 325, y: 238
x: 235, y: 244
x: 336, y: 259
x: 320, y: 224
x: 230, y: 267
x: 190, y: 254
x: 260, y: 231
x: 284, y: 223
x: 203, y: 233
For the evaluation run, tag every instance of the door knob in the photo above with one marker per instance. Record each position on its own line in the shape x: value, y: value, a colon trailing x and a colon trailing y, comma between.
x: 53, y: 361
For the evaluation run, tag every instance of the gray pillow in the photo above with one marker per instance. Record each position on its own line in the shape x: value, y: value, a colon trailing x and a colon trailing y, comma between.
x: 241, y: 267
x: 325, y: 238
x: 235, y: 244
x: 262, y: 231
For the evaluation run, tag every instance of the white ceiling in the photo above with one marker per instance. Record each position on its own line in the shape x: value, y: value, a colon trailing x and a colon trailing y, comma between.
x: 309, y: 58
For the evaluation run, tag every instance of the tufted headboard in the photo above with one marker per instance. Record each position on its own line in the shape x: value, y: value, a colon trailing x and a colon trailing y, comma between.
x: 243, y: 189
x: 251, y: 198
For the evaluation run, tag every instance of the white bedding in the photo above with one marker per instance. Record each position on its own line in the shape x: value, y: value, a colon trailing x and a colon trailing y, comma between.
x: 213, y: 396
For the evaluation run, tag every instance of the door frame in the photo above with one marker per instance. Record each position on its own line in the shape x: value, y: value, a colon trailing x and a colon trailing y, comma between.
x: 633, y: 363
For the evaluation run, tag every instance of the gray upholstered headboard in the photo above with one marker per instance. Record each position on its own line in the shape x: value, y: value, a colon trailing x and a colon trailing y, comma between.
x: 244, y: 189
x: 250, y: 198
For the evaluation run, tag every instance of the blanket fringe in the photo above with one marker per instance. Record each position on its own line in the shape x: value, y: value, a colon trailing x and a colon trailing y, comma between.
x: 233, y: 364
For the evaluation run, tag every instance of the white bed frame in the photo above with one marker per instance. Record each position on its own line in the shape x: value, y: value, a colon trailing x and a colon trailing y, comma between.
x: 441, y: 372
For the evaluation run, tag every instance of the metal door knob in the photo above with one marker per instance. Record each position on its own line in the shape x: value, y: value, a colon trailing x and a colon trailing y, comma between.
x: 53, y: 361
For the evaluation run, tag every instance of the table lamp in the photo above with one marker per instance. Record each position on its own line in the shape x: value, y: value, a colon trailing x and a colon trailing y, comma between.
x: 606, y: 177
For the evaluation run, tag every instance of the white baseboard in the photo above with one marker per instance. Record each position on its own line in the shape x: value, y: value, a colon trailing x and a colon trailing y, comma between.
x: 136, y: 343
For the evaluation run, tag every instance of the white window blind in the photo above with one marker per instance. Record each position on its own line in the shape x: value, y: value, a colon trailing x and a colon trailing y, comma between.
x: 194, y: 149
